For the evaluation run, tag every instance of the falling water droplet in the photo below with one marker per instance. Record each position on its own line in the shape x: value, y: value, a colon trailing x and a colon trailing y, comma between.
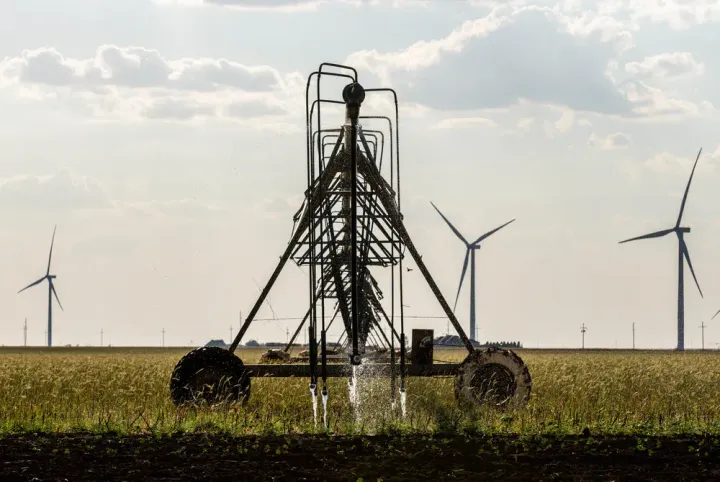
x: 313, y: 394
x: 352, y: 389
x: 356, y: 382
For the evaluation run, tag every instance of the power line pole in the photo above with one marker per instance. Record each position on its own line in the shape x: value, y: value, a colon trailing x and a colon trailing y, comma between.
x: 633, y: 335
x: 231, y: 338
x: 25, y: 333
x: 702, y: 329
x: 163, y: 334
x: 583, y: 330
x: 101, y: 337
x: 46, y: 338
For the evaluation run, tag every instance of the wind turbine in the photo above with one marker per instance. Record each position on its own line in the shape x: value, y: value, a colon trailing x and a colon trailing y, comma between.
x: 469, y: 253
x: 683, y: 254
x: 51, y: 290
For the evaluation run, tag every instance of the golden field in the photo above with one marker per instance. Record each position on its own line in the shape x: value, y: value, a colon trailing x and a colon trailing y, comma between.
x: 127, y: 390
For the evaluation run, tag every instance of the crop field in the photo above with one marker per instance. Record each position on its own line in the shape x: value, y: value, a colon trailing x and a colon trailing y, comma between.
x: 645, y: 401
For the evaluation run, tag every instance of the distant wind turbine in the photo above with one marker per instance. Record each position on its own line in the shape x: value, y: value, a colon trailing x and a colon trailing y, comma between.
x: 683, y: 254
x: 51, y: 290
x: 469, y: 253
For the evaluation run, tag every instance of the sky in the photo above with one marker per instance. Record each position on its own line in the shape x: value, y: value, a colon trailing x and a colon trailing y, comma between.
x: 165, y: 139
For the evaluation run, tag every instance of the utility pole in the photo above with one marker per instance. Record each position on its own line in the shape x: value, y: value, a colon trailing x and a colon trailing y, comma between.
x: 287, y: 335
x: 231, y: 338
x: 45, y: 336
x: 25, y: 333
x: 583, y: 330
x: 633, y: 335
x: 702, y: 329
x: 101, y: 337
x: 163, y: 334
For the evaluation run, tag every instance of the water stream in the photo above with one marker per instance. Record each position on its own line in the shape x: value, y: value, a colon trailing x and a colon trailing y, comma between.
x: 325, y: 402
x: 313, y: 394
x: 352, y: 389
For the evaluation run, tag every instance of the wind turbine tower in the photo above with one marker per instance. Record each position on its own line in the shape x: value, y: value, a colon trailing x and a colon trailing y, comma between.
x: 51, y: 290
x: 470, y: 249
x: 683, y: 255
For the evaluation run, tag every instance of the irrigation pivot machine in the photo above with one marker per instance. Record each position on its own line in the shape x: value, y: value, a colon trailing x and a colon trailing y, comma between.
x: 349, y: 225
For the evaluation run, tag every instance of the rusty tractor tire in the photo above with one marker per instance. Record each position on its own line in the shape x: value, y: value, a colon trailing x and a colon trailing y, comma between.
x: 493, y: 377
x: 209, y: 374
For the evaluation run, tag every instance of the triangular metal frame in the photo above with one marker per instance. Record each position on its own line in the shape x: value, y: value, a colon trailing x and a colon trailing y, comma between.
x: 346, y: 210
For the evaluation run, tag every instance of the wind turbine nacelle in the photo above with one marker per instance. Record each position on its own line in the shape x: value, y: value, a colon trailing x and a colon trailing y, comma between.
x: 684, y: 230
x: 52, y: 276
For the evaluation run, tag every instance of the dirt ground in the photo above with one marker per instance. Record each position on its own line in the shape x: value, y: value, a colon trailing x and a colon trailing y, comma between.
x: 217, y: 457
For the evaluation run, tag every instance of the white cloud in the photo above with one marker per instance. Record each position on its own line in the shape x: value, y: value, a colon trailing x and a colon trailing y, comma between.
x: 137, y: 67
x: 138, y: 82
x: 667, y: 65
x: 535, y: 54
x: 566, y: 121
x: 288, y: 5
x: 557, y: 55
x: 666, y: 162
x: 651, y: 101
x: 277, y: 207
x: 456, y: 122
x: 616, y: 140
x: 176, y: 208
x: 60, y: 191
x: 423, y: 54
x: 525, y: 122
x: 66, y: 191
x: 677, y: 14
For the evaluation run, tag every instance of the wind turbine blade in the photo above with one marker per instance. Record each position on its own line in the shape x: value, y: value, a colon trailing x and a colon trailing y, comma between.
x: 685, y: 252
x: 462, y: 277
x: 718, y: 311
x: 491, y: 232
x: 687, y: 188
x: 33, y: 284
x: 656, y: 234
x: 51, y: 248
x: 52, y: 287
x: 457, y: 233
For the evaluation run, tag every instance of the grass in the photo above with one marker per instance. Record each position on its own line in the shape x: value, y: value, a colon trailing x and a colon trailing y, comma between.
x: 127, y: 391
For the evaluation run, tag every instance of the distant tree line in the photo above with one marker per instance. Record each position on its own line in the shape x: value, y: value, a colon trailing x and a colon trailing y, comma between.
x: 504, y: 344
x: 454, y: 340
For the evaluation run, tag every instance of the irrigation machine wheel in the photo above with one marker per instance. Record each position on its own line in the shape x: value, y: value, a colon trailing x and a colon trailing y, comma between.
x: 209, y: 374
x: 493, y: 377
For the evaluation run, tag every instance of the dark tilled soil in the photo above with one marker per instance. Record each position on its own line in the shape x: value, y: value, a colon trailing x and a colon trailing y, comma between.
x: 217, y: 457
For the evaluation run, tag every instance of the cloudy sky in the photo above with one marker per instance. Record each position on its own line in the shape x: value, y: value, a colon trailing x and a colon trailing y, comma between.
x: 166, y: 140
